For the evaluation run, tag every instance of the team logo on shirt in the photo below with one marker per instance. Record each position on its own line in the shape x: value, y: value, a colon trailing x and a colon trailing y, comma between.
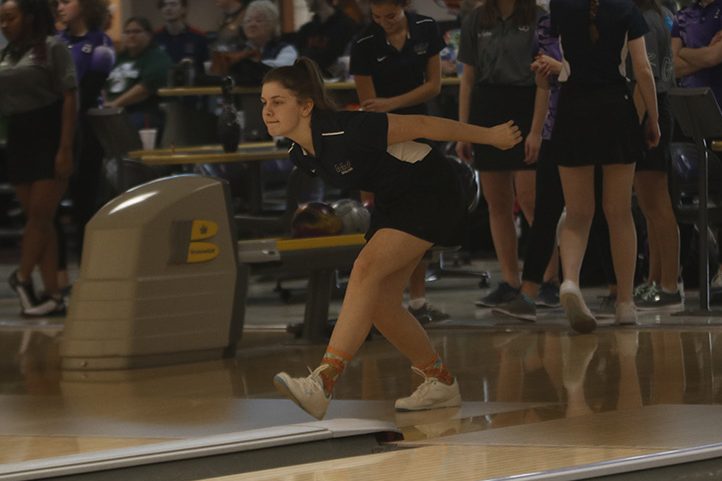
x: 381, y: 59
x: 343, y: 168
x: 87, y: 48
x: 421, y: 48
x: 523, y: 28
x: 484, y: 33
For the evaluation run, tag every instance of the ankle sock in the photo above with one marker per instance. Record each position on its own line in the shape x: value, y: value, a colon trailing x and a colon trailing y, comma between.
x: 336, y: 361
x: 437, y: 369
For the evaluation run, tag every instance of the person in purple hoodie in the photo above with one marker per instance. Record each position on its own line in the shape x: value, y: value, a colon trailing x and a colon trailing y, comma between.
x: 93, y: 56
x: 697, y: 46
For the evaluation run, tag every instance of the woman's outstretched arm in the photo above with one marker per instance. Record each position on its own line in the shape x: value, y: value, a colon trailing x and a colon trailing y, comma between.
x: 403, y: 128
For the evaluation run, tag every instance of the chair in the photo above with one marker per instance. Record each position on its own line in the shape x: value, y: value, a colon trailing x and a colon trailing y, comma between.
x: 699, y: 116
x: 118, y: 136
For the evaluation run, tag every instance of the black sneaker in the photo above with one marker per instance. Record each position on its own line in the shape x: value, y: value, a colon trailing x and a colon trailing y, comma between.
x: 48, y: 307
x: 521, y: 307
x: 548, y: 295
x: 656, y: 299
x: 24, y: 290
x: 503, y: 293
x: 607, y: 305
x: 428, y: 313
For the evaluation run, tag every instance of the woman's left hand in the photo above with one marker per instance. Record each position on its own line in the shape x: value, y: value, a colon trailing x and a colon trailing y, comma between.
x: 63, y: 164
x: 652, y: 133
x: 379, y: 104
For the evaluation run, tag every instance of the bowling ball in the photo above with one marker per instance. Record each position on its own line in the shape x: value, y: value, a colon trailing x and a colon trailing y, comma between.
x: 315, y: 219
x: 468, y: 182
x: 354, y: 216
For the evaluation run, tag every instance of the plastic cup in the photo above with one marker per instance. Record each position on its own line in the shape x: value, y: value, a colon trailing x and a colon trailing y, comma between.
x: 147, y: 137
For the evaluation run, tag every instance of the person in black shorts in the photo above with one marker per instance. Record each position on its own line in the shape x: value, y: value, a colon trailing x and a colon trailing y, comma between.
x: 418, y: 203
x: 396, y: 68
x: 498, y: 43
x: 597, y: 124
x: 38, y: 94
x: 651, y: 180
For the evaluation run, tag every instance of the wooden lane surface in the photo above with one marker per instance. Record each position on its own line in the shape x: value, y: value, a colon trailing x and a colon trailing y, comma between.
x: 208, y: 154
x: 717, y: 145
x: 460, y: 463
x: 16, y: 449
x: 204, y: 91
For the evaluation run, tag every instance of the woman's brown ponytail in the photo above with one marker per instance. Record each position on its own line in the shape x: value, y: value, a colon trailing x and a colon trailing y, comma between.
x: 304, y: 79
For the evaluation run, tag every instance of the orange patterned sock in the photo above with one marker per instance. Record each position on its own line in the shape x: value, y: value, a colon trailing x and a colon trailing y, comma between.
x: 336, y: 361
x: 437, y: 369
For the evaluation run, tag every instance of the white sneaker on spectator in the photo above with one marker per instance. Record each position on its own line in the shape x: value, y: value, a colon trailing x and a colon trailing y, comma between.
x: 580, y: 317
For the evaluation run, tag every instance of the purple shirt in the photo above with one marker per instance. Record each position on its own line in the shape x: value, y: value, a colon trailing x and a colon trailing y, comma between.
x: 695, y: 26
x: 549, y: 45
x: 91, y: 52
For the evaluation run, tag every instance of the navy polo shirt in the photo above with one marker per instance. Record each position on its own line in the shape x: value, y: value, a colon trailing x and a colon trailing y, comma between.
x: 190, y: 43
x: 396, y: 72
x: 602, y: 62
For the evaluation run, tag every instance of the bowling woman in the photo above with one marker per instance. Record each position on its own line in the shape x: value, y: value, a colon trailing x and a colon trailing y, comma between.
x: 416, y: 208
x: 597, y: 124
x: 38, y: 95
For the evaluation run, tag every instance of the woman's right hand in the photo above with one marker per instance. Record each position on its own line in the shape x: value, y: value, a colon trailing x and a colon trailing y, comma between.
x: 505, y: 136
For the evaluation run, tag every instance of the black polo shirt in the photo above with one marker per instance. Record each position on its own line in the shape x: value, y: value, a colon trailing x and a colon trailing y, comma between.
x: 395, y: 72
x: 602, y: 62
x: 352, y: 153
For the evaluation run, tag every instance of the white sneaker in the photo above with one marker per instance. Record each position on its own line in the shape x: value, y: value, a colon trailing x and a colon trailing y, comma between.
x: 307, y: 392
x: 580, y: 317
x: 431, y: 394
x: 49, y: 307
x: 626, y: 313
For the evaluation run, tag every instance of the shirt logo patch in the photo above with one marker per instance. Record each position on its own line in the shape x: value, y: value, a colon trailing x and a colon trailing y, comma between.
x: 87, y: 48
x: 343, y: 168
x: 421, y: 48
x: 381, y: 59
x: 484, y: 33
x: 524, y: 28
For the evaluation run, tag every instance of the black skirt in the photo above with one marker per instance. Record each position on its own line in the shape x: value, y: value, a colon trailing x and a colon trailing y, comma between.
x: 495, y: 104
x: 596, y: 126
x: 428, y: 203
x: 32, y: 144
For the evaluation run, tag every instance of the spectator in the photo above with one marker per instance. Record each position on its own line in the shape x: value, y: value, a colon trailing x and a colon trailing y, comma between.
x: 137, y: 75
x: 326, y: 37
x: 180, y: 41
x: 496, y: 49
x: 38, y: 94
x: 697, y: 46
x: 230, y: 37
x: 93, y: 57
x: 396, y: 67
x: 263, y: 50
